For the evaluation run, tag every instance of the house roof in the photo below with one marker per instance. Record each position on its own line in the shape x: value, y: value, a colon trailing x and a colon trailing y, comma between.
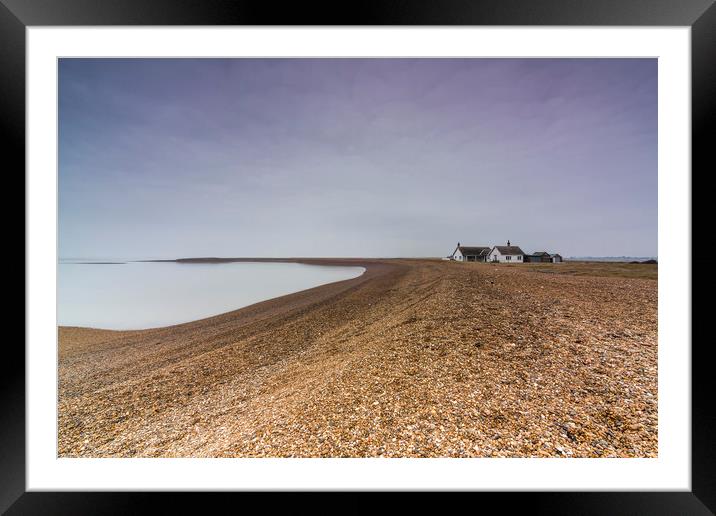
x: 474, y: 251
x: 512, y: 249
x: 540, y: 253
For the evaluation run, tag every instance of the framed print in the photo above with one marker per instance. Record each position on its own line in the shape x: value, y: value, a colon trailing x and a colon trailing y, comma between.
x: 417, y: 248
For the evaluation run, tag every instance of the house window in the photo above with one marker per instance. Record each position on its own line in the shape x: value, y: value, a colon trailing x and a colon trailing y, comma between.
x: 508, y: 257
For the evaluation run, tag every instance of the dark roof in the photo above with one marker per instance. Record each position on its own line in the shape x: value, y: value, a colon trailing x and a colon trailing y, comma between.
x: 474, y: 251
x: 512, y: 249
x: 540, y: 253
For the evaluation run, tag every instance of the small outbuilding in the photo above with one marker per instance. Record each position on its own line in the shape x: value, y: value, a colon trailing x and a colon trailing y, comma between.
x: 538, y: 257
x: 556, y: 258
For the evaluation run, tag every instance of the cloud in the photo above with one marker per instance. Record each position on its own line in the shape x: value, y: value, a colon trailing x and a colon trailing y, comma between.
x: 380, y: 157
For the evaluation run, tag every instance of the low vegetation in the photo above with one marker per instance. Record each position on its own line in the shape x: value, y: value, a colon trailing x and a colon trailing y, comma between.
x: 600, y: 269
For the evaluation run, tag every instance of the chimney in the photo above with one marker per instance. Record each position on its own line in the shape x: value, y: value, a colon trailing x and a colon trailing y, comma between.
x: 458, y: 244
x: 508, y: 243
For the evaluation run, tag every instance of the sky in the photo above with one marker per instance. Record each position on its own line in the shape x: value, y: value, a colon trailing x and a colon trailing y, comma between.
x: 170, y: 158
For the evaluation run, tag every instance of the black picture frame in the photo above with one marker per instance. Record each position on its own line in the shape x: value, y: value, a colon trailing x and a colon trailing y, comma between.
x: 700, y: 15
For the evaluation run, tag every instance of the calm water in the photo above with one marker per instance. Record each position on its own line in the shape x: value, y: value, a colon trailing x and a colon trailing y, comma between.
x: 149, y: 295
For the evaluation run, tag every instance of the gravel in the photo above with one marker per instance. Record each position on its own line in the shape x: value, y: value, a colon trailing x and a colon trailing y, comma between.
x: 415, y: 358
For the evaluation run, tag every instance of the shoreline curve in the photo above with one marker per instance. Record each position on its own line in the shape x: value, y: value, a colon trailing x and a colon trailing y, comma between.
x: 325, y: 262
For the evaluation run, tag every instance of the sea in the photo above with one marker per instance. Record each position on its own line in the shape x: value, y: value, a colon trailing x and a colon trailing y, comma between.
x: 610, y: 258
x: 139, y: 295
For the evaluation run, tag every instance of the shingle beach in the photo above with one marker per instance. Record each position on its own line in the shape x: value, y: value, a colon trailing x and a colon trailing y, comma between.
x: 415, y: 358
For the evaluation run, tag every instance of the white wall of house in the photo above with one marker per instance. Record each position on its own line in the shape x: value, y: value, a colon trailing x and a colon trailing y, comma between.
x: 496, y: 256
x: 457, y: 255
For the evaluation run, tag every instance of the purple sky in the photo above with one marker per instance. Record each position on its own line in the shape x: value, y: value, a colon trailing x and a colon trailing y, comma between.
x: 166, y: 158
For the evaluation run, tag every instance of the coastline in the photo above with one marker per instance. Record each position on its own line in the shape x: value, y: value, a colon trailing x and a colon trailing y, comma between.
x: 411, y: 358
x: 203, y: 306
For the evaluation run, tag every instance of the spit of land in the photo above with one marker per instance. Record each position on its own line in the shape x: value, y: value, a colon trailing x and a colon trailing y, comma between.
x: 415, y: 358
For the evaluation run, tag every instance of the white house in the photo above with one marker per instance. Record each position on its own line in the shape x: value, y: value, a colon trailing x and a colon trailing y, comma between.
x: 469, y: 254
x: 506, y: 254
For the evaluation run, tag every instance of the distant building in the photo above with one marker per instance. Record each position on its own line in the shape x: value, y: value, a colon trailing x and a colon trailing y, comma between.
x: 501, y: 254
x: 539, y: 257
x: 464, y: 253
x: 543, y: 257
x: 506, y: 254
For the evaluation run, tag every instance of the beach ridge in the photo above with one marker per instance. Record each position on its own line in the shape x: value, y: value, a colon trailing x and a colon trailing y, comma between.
x: 415, y: 357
